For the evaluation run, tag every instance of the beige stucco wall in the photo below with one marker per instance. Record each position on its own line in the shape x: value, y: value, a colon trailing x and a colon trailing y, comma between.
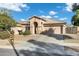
x: 41, y: 28
x: 56, y: 30
x: 40, y: 25
x: 64, y: 29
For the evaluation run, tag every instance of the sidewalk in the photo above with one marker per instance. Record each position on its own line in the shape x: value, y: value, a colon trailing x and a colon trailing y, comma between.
x: 6, y: 49
x: 5, y: 44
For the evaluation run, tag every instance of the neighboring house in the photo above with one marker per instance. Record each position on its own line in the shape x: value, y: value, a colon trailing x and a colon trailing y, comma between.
x: 38, y: 25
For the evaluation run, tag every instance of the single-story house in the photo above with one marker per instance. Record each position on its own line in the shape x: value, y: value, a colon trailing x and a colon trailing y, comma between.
x: 38, y: 25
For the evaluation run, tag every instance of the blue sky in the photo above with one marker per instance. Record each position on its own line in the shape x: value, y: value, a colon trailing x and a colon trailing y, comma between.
x: 22, y: 11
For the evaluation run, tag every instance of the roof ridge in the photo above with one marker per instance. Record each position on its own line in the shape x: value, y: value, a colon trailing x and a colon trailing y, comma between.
x: 51, y: 19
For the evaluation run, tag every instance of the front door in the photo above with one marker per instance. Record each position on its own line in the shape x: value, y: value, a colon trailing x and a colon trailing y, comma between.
x: 35, y: 27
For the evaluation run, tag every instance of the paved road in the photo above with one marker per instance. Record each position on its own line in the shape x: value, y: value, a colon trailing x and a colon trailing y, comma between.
x: 7, y: 52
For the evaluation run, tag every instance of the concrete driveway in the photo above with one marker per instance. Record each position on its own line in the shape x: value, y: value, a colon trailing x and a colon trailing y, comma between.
x: 43, y: 46
x: 38, y: 45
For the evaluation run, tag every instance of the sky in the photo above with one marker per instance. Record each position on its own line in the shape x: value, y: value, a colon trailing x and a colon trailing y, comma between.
x: 23, y: 11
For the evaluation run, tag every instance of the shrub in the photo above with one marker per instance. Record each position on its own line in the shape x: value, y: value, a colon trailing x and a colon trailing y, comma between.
x: 12, y: 32
x: 20, y: 32
x: 27, y: 32
x: 4, y: 35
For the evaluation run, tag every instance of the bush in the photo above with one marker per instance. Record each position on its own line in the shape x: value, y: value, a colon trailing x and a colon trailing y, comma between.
x: 12, y: 32
x: 4, y: 35
x: 27, y: 32
x: 20, y: 32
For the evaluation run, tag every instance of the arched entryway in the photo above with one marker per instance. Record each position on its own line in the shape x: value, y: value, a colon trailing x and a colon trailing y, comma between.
x: 35, y: 27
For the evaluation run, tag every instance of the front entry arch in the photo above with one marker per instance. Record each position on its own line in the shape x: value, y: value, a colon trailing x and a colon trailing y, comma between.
x: 35, y: 27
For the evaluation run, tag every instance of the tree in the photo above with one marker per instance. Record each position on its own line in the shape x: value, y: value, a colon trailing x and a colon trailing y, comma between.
x: 75, y: 18
x: 75, y: 6
x: 6, y: 21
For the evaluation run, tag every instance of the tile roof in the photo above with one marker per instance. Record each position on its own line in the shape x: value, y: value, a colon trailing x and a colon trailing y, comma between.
x: 23, y: 22
x: 47, y: 20
x: 50, y: 20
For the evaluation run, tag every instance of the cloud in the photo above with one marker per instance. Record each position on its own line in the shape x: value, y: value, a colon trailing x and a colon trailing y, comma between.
x: 63, y: 18
x: 69, y: 7
x: 45, y: 16
x: 52, y: 13
x: 22, y: 19
x: 13, y: 6
x: 56, y: 16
